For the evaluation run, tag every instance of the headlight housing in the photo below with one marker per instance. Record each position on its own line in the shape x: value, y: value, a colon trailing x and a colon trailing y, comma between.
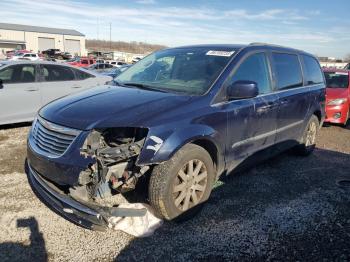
x: 337, y: 102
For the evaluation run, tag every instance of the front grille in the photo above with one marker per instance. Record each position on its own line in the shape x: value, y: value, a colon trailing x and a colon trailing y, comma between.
x: 51, y: 138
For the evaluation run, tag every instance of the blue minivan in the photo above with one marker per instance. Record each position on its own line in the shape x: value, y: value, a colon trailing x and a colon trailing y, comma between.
x: 173, y: 123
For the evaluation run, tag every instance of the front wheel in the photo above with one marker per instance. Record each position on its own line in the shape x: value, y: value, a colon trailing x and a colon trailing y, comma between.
x: 182, y: 183
x: 309, y: 137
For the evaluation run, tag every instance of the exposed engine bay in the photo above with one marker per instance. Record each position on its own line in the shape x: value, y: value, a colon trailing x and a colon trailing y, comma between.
x: 114, y: 152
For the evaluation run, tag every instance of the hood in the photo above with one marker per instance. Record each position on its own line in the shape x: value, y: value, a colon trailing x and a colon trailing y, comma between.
x: 111, y: 106
x: 334, y: 93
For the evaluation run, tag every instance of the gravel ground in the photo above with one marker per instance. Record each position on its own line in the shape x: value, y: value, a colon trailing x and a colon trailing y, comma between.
x: 288, y: 208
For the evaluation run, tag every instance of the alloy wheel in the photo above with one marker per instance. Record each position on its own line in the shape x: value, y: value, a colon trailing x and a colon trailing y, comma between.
x: 311, y: 134
x: 190, y: 184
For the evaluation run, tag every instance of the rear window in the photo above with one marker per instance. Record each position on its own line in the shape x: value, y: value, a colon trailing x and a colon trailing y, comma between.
x: 337, y: 79
x: 287, y: 70
x: 313, y: 73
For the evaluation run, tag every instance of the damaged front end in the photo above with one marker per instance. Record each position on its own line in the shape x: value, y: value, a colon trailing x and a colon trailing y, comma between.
x: 113, y: 153
x: 93, y: 201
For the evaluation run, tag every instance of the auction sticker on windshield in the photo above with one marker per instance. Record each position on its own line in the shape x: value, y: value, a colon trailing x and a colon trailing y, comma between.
x: 220, y: 53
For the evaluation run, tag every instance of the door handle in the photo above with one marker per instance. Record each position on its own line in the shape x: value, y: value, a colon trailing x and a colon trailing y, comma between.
x: 32, y: 89
x: 284, y: 102
x: 267, y: 107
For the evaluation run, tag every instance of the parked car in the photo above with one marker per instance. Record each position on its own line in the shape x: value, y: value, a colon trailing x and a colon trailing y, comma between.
x: 25, y: 56
x: 10, y: 54
x: 57, y: 54
x: 179, y: 118
x: 115, y: 71
x: 26, y: 86
x: 82, y: 62
x: 100, y: 61
x: 136, y: 59
x: 338, y: 96
x: 100, y: 67
x: 117, y: 63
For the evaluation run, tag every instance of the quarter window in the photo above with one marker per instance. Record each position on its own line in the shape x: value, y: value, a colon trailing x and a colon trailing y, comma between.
x: 18, y: 74
x: 287, y: 70
x: 254, y: 68
x: 57, y: 73
x: 82, y: 75
x: 313, y: 73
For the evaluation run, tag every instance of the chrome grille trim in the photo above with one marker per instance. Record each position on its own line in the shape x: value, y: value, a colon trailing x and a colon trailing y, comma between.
x: 51, y: 139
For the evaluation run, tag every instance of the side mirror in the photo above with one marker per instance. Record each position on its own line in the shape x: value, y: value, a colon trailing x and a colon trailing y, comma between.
x: 1, y: 84
x: 242, y: 89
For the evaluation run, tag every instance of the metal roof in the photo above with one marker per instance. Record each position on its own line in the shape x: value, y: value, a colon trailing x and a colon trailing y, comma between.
x: 39, y: 29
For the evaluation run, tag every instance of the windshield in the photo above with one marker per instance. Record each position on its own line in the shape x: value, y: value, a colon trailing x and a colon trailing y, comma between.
x: 186, y: 70
x: 337, y: 79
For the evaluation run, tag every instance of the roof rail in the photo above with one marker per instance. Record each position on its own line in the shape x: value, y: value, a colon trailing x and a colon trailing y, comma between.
x: 258, y: 43
x: 272, y: 45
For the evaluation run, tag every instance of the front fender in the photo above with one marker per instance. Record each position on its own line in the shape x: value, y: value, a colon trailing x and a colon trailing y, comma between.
x: 161, y: 146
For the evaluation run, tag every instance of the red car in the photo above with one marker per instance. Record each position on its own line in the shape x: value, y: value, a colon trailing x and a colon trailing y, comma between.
x: 83, y: 62
x: 337, y: 96
x: 10, y: 54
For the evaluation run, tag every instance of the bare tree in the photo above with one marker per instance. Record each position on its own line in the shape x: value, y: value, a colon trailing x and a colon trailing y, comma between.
x: 347, y: 58
x: 130, y: 47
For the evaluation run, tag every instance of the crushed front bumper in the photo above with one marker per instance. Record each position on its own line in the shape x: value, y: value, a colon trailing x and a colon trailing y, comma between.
x: 87, y: 215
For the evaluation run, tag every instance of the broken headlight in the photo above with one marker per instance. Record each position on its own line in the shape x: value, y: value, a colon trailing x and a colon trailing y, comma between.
x: 114, y: 151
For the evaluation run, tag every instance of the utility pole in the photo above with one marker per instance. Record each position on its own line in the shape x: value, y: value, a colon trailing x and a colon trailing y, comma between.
x: 110, y: 36
x: 98, y: 28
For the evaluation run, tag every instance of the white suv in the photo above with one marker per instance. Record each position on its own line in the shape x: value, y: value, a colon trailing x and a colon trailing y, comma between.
x: 26, y: 56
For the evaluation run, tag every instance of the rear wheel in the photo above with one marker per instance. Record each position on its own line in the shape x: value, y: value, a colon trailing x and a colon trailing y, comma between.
x: 182, y: 183
x: 309, y: 137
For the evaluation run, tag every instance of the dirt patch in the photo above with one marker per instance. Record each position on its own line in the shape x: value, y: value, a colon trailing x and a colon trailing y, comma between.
x: 3, y: 138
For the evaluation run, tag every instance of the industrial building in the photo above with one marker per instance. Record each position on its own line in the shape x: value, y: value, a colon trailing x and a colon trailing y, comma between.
x: 37, y: 39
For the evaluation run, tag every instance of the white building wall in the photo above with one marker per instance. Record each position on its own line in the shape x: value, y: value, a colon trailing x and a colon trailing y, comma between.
x: 31, y: 39
x: 11, y: 35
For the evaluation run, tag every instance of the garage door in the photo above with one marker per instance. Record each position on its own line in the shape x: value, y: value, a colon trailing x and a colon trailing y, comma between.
x: 46, y: 43
x: 72, y: 46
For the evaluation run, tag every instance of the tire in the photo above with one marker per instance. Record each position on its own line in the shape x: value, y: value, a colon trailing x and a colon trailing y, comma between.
x: 173, y: 192
x: 309, y: 137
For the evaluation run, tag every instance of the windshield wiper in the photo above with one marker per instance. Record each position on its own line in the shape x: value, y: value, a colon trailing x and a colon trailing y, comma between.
x: 143, y: 86
x: 118, y: 83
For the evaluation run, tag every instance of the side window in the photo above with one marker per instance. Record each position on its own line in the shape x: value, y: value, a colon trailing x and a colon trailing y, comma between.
x: 18, y: 74
x: 287, y: 71
x: 57, y: 73
x: 254, y: 68
x: 313, y: 73
x: 84, y: 62
x: 6, y: 74
x: 81, y: 75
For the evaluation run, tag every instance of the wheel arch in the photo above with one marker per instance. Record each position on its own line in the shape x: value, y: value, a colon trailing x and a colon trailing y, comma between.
x: 318, y: 114
x: 201, y: 135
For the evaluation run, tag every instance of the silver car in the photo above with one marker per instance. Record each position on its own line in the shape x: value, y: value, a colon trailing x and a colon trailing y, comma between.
x: 26, y: 86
